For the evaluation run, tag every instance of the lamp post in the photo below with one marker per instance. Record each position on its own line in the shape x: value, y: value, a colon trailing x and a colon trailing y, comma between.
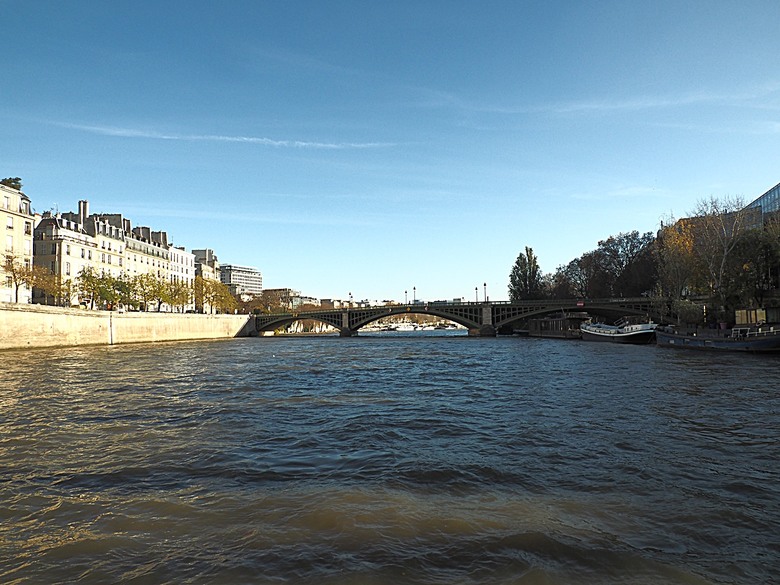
x: 406, y: 297
x: 485, y: 285
x: 350, y: 300
x: 414, y: 294
x: 476, y: 294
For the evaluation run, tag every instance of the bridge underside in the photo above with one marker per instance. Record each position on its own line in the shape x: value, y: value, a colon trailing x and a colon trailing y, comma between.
x: 481, y: 319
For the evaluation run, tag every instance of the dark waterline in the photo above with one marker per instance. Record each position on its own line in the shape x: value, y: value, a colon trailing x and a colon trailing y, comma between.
x: 378, y: 460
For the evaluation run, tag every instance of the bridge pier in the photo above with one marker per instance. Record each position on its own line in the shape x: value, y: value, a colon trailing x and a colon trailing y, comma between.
x: 486, y: 330
x: 347, y: 332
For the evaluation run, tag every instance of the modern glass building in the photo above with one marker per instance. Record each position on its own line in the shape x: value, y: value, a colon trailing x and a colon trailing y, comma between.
x: 769, y: 202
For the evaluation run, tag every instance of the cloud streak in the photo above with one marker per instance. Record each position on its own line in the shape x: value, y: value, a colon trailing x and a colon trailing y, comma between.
x: 121, y: 132
x: 751, y: 97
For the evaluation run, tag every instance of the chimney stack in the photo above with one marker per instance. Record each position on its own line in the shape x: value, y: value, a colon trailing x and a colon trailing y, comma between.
x: 83, y: 211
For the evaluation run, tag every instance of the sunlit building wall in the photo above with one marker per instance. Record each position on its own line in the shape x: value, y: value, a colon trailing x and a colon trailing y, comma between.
x: 17, y: 220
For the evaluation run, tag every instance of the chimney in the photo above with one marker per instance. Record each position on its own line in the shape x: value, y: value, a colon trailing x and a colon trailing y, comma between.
x: 83, y: 211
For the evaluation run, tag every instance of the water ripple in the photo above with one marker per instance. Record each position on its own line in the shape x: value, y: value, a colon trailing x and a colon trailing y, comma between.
x: 415, y: 460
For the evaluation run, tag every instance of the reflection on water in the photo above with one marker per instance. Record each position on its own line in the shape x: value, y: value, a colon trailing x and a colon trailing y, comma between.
x: 388, y: 460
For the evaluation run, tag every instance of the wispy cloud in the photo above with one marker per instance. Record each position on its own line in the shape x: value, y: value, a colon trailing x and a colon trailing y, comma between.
x: 620, y: 192
x: 751, y: 97
x: 647, y: 102
x: 256, y: 140
x: 224, y: 217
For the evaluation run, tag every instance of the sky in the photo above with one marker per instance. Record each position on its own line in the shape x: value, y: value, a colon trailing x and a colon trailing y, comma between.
x: 390, y: 150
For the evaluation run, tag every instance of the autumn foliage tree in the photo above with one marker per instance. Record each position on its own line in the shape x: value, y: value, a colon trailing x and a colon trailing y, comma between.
x: 18, y: 273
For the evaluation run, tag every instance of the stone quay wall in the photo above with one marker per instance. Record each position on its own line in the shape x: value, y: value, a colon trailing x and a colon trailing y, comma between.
x: 31, y: 326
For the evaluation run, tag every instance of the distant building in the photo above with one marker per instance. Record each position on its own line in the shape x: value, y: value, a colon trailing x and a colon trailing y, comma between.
x: 281, y: 297
x: 18, y: 219
x: 241, y: 279
x: 206, y: 264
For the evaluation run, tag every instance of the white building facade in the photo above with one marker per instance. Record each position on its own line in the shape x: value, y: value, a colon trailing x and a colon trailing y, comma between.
x: 17, y: 221
x: 241, y: 279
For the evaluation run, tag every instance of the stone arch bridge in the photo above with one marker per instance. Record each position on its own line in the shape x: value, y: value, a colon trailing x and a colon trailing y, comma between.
x: 481, y: 319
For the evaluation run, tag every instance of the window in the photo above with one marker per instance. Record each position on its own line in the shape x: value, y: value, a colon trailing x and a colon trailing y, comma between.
x: 120, y: 261
x: 67, y: 268
x: 9, y: 243
x: 109, y: 258
x: 89, y: 254
x: 102, y: 257
x: 67, y: 249
x: 28, y: 247
x: 9, y: 223
x: 7, y: 202
x: 27, y: 228
x: 82, y: 252
x: 54, y: 248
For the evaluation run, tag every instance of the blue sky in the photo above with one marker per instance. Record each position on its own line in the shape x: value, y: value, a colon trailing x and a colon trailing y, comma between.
x: 372, y: 147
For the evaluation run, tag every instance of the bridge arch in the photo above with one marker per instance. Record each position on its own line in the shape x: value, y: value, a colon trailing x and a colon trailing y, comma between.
x: 611, y: 310
x: 393, y: 311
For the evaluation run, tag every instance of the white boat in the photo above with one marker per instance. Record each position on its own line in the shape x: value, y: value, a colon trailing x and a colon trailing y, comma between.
x: 621, y: 332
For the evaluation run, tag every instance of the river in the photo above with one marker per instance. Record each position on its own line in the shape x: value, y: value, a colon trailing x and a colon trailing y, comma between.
x: 425, y: 459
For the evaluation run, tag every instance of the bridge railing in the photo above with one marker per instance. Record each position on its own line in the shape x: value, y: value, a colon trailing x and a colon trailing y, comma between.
x: 576, y: 302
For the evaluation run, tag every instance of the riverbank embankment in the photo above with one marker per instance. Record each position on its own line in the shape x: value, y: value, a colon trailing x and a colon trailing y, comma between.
x: 32, y: 326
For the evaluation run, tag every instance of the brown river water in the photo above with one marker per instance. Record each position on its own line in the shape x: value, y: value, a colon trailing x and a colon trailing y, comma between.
x: 425, y: 459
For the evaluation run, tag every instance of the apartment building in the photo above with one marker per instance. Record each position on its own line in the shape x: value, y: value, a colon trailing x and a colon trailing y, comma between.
x: 18, y: 220
x: 68, y: 243
x: 64, y: 248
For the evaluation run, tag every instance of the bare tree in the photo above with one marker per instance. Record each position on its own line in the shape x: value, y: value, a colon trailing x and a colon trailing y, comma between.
x: 718, y: 227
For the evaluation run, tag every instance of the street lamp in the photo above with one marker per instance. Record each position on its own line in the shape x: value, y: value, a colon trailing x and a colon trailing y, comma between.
x: 414, y: 295
x: 476, y: 294
x: 485, y: 285
x: 350, y: 300
x: 406, y: 298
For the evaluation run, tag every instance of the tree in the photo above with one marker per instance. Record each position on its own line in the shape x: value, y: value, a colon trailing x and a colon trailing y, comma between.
x: 89, y: 284
x: 620, y: 258
x: 587, y: 276
x: 146, y: 287
x: 559, y: 285
x: 52, y: 285
x: 222, y: 300
x: 125, y: 290
x: 19, y: 273
x: 200, y: 290
x: 13, y: 182
x: 272, y: 301
x: 525, y: 279
x: 718, y: 227
x: 178, y: 294
x: 677, y: 262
